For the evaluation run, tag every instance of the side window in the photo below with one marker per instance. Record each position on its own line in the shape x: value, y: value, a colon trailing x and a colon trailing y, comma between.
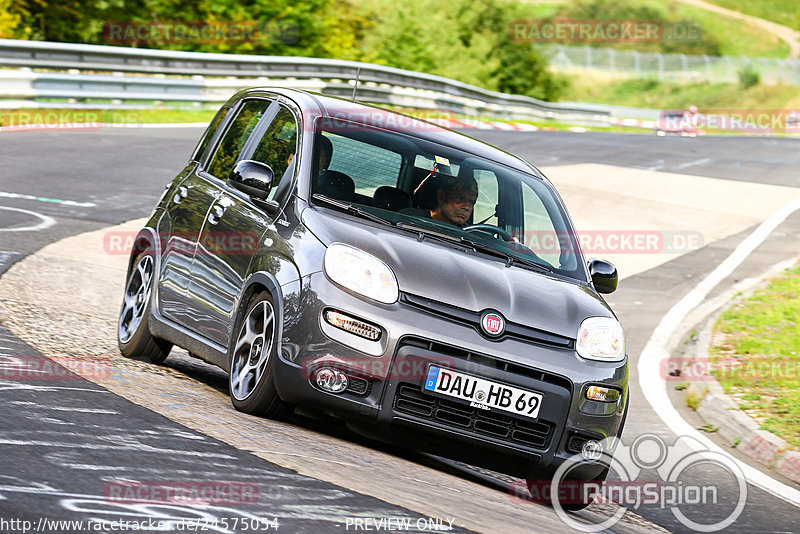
x: 278, y: 147
x: 540, y: 234
x: 212, y: 128
x: 235, y: 138
x: 487, y: 197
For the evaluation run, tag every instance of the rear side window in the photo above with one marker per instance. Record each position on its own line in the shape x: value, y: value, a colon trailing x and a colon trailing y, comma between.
x: 541, y: 233
x: 215, y: 122
x: 236, y: 137
x: 368, y: 165
x: 486, y: 205
x: 278, y: 146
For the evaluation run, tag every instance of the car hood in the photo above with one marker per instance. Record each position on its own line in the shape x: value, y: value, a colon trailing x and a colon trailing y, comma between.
x: 464, y: 279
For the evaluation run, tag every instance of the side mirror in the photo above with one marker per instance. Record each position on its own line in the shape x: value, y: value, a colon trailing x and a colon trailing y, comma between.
x: 252, y: 177
x: 604, y: 276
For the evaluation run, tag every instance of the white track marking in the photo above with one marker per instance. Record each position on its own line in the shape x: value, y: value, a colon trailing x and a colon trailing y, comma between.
x: 23, y: 196
x: 692, y: 163
x: 651, y: 381
x: 46, y: 222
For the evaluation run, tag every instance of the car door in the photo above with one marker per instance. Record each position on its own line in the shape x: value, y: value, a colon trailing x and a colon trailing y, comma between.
x: 186, y: 209
x: 235, y: 227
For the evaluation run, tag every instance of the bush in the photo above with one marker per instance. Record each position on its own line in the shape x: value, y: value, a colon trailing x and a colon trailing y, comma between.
x: 749, y: 78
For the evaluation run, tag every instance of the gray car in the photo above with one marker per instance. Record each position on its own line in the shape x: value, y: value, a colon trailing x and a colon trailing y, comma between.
x: 424, y: 287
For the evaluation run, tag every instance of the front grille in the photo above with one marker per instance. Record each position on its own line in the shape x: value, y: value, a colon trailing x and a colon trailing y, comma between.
x: 410, y: 399
x: 486, y: 361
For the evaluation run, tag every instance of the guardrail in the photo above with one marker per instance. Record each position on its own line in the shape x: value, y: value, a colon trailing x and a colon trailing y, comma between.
x: 105, y: 73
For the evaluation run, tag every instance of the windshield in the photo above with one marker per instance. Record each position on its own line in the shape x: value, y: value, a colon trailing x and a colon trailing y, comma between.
x: 409, y: 181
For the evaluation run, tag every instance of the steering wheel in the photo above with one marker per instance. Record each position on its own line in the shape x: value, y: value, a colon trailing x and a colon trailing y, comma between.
x: 490, y: 229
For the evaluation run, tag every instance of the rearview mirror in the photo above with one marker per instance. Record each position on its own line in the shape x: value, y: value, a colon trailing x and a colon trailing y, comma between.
x: 604, y: 275
x: 252, y: 177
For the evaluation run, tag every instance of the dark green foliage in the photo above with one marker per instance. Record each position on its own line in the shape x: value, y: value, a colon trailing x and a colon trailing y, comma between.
x: 749, y: 78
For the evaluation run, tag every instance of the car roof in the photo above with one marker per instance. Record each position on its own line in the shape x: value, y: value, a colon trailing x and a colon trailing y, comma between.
x: 336, y: 107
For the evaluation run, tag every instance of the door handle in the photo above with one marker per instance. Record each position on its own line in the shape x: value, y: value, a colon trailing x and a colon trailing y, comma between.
x: 216, y: 214
x: 180, y: 194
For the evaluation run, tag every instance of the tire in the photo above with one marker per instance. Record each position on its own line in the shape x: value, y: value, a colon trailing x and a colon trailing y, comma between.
x: 535, y: 486
x: 252, y: 356
x: 133, y: 332
x: 540, y: 492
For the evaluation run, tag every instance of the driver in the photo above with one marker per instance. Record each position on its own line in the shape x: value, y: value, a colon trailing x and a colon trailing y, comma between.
x: 455, y: 200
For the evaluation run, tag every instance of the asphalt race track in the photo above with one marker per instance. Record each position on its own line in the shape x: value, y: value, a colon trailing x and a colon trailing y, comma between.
x: 67, y: 443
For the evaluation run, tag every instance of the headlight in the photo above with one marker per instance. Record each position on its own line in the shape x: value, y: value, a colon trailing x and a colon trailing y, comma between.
x: 601, y: 338
x: 361, y: 272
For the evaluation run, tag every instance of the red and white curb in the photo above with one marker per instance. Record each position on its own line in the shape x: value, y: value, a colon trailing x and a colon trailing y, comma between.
x: 484, y: 125
x: 633, y: 123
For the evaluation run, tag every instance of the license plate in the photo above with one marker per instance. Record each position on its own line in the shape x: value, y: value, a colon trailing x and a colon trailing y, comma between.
x: 482, y: 393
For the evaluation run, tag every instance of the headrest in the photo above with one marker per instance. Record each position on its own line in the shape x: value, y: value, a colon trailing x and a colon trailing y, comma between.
x: 391, y: 198
x: 336, y: 185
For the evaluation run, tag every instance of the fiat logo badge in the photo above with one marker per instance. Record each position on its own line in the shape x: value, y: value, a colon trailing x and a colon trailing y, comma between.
x: 493, y: 324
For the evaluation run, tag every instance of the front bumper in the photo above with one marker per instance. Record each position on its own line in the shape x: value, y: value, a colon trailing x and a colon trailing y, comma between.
x: 388, y: 402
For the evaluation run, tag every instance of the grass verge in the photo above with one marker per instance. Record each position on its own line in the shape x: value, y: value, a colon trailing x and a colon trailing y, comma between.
x: 756, y: 349
x: 735, y: 37
x: 786, y: 12
x: 650, y: 93
x: 53, y: 116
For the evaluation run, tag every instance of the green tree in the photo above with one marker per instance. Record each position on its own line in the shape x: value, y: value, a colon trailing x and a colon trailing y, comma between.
x: 10, y: 19
x: 523, y: 71
x: 461, y: 39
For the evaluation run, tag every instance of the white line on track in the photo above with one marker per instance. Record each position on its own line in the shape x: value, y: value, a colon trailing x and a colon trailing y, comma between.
x: 46, y: 222
x: 657, y: 167
x: 655, y: 386
x: 692, y: 163
x: 79, y: 410
x: 6, y: 194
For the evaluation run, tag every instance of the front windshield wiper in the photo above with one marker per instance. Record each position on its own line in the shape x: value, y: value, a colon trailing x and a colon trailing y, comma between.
x: 510, y: 258
x: 352, y: 210
x: 480, y: 247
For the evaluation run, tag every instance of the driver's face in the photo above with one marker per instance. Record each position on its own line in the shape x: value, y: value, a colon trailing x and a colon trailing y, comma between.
x: 455, y: 206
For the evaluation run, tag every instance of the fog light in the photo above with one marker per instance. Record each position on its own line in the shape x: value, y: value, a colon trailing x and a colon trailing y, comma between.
x: 331, y: 380
x: 592, y: 450
x: 599, y: 393
x: 352, y: 325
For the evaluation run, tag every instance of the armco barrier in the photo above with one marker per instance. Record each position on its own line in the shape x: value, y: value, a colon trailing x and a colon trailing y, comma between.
x: 103, y: 73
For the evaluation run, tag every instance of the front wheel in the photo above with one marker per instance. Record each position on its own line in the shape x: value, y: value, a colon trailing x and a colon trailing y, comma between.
x: 133, y: 333
x: 573, y: 495
x: 252, y: 357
